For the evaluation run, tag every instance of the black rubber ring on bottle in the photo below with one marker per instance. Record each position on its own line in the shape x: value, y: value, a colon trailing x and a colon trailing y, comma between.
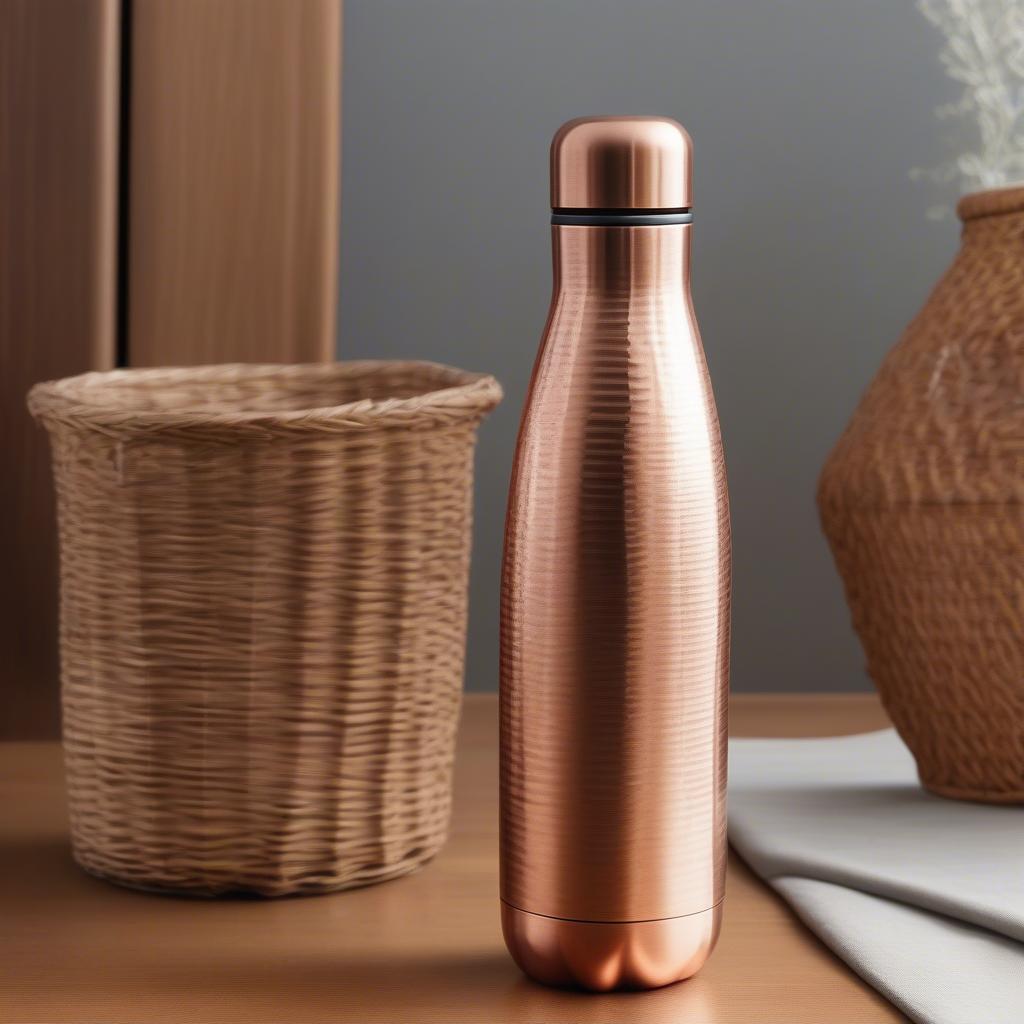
x: 620, y: 218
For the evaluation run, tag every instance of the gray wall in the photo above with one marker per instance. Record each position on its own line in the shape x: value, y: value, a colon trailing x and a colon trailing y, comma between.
x: 811, y: 247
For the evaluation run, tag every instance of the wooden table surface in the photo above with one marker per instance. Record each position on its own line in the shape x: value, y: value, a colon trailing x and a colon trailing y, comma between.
x: 423, y: 948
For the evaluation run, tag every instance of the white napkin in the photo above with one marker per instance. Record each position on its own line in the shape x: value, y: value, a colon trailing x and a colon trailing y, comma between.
x: 921, y: 896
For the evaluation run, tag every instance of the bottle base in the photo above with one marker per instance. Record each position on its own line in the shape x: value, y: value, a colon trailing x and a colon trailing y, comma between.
x: 602, y: 956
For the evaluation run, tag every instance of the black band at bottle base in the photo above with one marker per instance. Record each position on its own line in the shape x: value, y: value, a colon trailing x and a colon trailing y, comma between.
x: 620, y: 218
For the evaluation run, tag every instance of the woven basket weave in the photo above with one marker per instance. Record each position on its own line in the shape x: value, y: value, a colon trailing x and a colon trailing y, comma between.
x: 263, y: 609
x: 922, y: 501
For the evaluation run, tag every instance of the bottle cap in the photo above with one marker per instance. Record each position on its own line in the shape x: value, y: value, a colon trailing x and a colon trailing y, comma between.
x: 621, y: 163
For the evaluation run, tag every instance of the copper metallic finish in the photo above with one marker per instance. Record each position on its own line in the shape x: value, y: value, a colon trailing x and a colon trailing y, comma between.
x: 615, y: 617
x: 621, y: 163
x: 599, y: 957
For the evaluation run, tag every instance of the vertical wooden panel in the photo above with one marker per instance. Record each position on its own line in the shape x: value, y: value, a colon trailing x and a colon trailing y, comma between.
x: 233, y: 180
x: 59, y: 71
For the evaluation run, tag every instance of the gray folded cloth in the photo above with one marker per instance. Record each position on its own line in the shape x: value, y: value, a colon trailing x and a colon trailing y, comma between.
x: 921, y: 896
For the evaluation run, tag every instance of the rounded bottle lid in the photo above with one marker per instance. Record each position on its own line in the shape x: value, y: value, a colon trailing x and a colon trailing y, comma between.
x: 621, y: 163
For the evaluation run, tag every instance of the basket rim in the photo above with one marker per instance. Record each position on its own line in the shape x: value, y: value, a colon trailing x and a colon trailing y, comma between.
x: 449, y: 394
x: 991, y: 202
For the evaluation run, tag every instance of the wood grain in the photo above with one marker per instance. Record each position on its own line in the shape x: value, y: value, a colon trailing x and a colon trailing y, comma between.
x: 58, y: 199
x: 424, y: 948
x: 233, y: 180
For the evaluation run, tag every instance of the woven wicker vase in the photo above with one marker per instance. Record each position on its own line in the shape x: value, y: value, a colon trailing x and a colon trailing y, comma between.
x: 922, y: 501
x: 263, y: 611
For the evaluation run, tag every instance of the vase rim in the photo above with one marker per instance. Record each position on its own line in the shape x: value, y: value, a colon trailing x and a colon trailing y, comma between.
x: 991, y: 202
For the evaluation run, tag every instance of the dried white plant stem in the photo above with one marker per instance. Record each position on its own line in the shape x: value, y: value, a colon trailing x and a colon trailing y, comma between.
x: 984, y: 52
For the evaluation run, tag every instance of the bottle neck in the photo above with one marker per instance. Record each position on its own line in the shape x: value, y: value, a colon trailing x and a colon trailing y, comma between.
x: 621, y: 259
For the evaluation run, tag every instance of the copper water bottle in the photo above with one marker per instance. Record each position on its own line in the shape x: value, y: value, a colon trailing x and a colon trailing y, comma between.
x: 616, y: 588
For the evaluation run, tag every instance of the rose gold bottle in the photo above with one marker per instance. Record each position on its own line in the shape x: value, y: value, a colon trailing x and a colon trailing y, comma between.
x: 615, y: 592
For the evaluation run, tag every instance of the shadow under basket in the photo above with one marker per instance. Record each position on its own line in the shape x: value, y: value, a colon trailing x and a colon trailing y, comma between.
x: 264, y: 579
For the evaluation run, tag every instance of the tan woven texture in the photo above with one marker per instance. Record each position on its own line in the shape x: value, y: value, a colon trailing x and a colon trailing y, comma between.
x: 263, y: 611
x: 922, y: 501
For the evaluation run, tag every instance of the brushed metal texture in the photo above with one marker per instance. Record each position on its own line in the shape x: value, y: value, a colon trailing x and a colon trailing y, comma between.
x: 616, y: 597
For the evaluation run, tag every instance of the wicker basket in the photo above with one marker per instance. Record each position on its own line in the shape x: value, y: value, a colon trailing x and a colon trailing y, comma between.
x: 923, y: 503
x: 263, y: 609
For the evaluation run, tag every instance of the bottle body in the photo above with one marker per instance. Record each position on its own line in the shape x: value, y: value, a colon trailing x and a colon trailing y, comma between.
x: 615, y: 627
